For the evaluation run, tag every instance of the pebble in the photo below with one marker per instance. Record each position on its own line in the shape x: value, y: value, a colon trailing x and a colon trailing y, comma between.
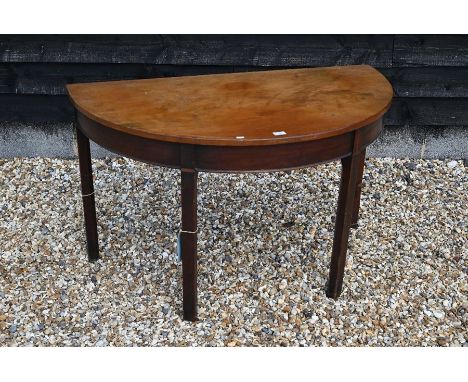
x: 264, y: 252
x: 438, y: 314
x: 442, y: 341
x: 452, y: 164
x: 267, y: 331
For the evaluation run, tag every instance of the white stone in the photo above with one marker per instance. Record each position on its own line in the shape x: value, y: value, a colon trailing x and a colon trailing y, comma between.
x: 452, y: 164
x: 438, y: 314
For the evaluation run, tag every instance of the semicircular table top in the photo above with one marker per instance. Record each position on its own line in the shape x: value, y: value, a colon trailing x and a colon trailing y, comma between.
x: 239, y: 109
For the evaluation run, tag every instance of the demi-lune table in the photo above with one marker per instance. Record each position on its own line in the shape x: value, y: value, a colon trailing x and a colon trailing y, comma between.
x: 236, y: 122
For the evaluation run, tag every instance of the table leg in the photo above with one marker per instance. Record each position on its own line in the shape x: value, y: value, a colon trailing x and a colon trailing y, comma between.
x: 349, y: 180
x: 87, y: 191
x: 188, y: 242
x: 357, y: 196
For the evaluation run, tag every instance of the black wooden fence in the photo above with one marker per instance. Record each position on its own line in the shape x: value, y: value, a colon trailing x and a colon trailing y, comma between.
x: 429, y: 73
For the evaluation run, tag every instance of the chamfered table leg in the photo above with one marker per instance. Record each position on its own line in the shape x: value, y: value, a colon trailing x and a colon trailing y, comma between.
x: 349, y: 180
x: 188, y: 242
x: 357, y: 196
x: 87, y: 191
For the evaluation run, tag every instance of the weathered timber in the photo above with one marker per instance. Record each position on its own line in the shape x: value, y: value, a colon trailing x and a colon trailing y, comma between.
x: 51, y: 78
x: 428, y: 112
x: 430, y: 50
x: 258, y: 50
x: 44, y: 78
x: 36, y: 109
x: 428, y: 81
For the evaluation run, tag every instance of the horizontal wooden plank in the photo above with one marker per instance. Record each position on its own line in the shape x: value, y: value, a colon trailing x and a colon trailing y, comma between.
x: 431, y: 50
x: 35, y: 109
x: 428, y: 81
x: 51, y: 78
x: 428, y: 112
x: 404, y: 111
x: 43, y: 78
x: 257, y: 50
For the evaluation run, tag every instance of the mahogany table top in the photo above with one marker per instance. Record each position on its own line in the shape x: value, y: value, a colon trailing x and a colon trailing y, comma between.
x: 240, y: 109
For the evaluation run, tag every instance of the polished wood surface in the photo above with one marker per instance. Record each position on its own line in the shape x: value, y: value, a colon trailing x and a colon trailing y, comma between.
x: 239, y: 109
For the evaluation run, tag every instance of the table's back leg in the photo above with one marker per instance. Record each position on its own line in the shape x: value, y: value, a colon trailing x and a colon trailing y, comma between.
x: 87, y: 191
x: 357, y: 196
x: 350, y: 177
x: 188, y: 242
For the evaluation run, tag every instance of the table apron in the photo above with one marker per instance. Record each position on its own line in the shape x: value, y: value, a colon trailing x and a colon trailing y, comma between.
x: 230, y: 158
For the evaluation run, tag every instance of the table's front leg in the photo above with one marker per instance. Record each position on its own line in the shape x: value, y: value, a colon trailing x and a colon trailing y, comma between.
x: 87, y: 192
x: 351, y: 175
x: 188, y: 242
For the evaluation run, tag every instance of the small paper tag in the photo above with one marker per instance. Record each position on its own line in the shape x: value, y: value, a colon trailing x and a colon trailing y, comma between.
x: 279, y: 132
x: 179, y: 248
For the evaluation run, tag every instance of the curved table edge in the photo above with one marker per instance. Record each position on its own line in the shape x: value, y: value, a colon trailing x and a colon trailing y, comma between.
x: 244, y: 142
x: 209, y: 158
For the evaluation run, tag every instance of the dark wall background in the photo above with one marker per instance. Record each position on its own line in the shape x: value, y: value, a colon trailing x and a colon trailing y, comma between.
x: 429, y: 74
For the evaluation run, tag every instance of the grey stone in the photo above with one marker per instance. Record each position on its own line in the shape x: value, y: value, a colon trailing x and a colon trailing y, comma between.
x: 267, y: 331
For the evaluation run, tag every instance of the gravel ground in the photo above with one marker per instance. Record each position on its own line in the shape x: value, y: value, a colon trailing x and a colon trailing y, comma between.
x: 264, y: 247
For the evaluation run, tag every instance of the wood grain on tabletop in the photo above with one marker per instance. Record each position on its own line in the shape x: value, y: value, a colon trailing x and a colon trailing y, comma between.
x: 251, y: 108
